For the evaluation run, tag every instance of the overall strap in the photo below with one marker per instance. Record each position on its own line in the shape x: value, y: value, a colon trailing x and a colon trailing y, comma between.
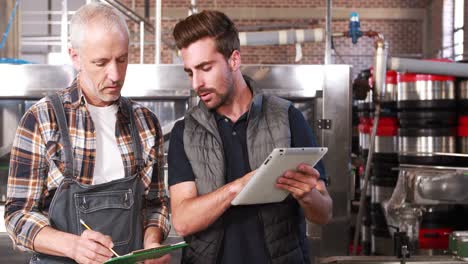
x: 64, y: 135
x: 136, y: 146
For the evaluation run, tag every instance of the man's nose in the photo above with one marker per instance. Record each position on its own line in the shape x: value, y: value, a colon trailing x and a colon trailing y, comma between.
x: 197, y: 82
x: 113, y: 72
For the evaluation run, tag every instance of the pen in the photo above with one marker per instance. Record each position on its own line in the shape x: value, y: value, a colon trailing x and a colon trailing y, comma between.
x: 89, y: 228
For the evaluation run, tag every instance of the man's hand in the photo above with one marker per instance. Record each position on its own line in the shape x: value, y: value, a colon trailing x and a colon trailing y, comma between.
x: 305, y: 186
x: 91, y: 247
x: 152, y: 238
x: 162, y: 260
x: 240, y: 183
x: 300, y: 183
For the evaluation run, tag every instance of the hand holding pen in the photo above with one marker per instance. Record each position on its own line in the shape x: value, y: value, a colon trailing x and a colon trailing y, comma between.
x: 90, y: 247
x: 87, y: 227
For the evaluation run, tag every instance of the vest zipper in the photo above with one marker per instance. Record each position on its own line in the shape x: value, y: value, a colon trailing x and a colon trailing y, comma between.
x: 262, y: 231
x: 220, y: 243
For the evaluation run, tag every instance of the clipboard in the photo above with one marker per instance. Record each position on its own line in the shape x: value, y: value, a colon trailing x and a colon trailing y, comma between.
x: 261, y: 187
x: 143, y: 254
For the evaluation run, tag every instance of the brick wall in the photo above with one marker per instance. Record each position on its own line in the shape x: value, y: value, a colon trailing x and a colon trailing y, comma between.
x: 292, y: 3
x: 405, y: 36
x: 434, y: 41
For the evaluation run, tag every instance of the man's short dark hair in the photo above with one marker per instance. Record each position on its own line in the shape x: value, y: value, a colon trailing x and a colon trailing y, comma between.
x: 208, y: 23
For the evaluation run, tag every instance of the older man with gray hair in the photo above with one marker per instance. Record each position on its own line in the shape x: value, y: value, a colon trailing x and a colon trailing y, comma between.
x: 87, y: 154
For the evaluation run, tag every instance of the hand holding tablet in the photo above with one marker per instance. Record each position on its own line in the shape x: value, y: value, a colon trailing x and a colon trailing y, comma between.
x: 261, y: 187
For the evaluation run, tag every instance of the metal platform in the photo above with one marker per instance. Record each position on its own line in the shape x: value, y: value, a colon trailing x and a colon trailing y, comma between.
x: 390, y: 260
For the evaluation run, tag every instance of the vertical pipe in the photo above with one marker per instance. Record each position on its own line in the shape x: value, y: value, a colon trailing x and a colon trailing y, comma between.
x: 49, y: 19
x: 64, y: 29
x: 328, y: 33
x: 380, y: 67
x: 193, y: 7
x: 157, y: 33
x: 142, y: 41
x: 147, y: 9
x: 380, y: 72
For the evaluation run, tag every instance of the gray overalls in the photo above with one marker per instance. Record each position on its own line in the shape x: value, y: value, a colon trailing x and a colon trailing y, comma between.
x: 112, y: 208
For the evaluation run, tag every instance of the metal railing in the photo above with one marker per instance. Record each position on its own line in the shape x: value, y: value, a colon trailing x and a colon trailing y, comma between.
x: 62, y: 40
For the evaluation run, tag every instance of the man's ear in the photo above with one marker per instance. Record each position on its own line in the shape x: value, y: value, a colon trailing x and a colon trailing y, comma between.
x: 75, y: 58
x: 235, y: 60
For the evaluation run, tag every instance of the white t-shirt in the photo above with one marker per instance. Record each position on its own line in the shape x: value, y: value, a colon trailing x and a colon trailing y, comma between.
x: 109, y: 165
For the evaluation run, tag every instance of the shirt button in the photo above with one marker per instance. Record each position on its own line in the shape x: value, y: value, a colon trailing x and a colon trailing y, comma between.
x: 226, y: 120
x: 234, y: 133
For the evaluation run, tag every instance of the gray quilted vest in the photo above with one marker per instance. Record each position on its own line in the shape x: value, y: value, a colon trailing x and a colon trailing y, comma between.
x: 268, y: 128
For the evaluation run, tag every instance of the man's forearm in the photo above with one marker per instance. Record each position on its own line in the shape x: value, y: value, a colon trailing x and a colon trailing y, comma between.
x: 195, y: 214
x: 53, y: 242
x: 90, y: 247
x: 153, y: 235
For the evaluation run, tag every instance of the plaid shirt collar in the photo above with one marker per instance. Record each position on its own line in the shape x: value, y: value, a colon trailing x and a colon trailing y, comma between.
x: 78, y: 99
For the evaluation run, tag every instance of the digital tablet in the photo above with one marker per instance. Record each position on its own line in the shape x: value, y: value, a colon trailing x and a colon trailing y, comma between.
x: 261, y: 187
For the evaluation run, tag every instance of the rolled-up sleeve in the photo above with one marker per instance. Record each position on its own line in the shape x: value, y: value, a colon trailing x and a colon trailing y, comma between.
x: 156, y: 200
x: 26, y: 184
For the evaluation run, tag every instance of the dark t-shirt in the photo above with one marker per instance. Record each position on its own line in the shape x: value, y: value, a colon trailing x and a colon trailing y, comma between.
x: 243, y: 239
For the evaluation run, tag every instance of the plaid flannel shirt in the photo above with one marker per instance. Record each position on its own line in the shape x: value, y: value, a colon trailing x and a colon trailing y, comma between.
x: 36, y: 163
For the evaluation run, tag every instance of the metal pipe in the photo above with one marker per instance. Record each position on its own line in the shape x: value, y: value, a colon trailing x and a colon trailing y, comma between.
x: 147, y: 9
x: 47, y: 12
x: 338, y: 35
x: 64, y: 29
x: 37, y: 22
x: 193, y: 7
x: 142, y: 41
x: 41, y: 43
x: 49, y: 19
x: 380, y: 67
x: 428, y: 67
x: 380, y: 70
x: 158, y: 32
x: 41, y: 38
x: 281, y: 37
x: 328, y: 34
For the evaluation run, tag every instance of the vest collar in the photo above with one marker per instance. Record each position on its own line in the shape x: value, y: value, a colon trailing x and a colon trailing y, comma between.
x: 257, y: 101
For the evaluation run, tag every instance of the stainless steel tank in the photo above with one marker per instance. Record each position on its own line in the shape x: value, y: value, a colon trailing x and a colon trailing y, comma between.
x: 420, y: 88
x: 390, y: 92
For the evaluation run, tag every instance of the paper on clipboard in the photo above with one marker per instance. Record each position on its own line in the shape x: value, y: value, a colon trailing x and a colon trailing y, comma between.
x: 143, y: 254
